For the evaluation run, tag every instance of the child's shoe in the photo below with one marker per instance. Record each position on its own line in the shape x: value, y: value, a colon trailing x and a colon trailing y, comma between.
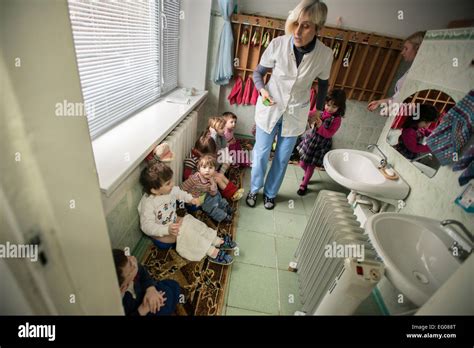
x: 228, y: 244
x: 229, y: 210
x: 238, y: 194
x: 222, y: 258
x: 302, y: 190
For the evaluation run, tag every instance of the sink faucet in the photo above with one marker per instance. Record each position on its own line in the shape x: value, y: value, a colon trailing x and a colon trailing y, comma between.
x: 428, y: 154
x: 383, y: 162
x: 456, y: 249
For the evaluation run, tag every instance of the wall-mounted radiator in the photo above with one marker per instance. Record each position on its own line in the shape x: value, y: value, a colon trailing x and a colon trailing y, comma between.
x: 181, y: 141
x: 331, y: 281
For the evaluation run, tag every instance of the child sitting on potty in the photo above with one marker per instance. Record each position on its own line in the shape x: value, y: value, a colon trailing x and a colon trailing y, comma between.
x: 203, y: 185
x: 158, y: 218
x: 206, y: 145
x: 141, y: 294
x: 240, y: 158
x: 216, y: 130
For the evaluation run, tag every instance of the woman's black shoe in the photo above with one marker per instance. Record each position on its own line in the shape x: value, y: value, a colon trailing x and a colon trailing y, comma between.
x: 268, y: 203
x: 251, y: 199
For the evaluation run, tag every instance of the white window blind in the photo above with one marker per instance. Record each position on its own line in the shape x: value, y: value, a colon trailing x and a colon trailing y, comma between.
x: 121, y: 56
x: 170, y: 37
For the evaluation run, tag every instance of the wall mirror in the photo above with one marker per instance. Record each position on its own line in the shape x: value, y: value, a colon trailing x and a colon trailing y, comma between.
x: 413, y: 124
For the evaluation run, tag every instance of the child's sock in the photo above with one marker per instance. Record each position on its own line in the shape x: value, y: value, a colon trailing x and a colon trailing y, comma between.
x: 212, y: 252
x: 308, y: 173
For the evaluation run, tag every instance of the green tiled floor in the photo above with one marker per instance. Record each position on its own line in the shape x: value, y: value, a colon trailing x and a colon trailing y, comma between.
x: 254, y: 288
x: 260, y: 283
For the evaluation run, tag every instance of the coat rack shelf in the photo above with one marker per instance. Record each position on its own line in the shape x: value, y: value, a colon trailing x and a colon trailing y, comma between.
x: 364, y: 63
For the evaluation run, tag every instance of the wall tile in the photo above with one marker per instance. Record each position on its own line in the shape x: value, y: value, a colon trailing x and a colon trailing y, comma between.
x: 117, y: 221
x: 131, y: 236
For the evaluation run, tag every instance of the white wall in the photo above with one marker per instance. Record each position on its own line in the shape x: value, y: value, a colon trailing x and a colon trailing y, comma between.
x: 193, y: 43
x: 379, y: 16
x: 57, y: 163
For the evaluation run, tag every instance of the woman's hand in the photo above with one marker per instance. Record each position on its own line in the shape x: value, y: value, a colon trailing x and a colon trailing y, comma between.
x: 266, y: 96
x: 174, y: 229
x: 374, y: 104
x: 196, y: 201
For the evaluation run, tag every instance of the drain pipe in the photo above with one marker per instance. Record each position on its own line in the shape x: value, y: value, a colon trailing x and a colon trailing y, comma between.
x: 354, y: 198
x: 384, y: 207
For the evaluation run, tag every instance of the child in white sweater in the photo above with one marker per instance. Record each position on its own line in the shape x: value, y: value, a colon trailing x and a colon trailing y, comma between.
x: 158, y: 218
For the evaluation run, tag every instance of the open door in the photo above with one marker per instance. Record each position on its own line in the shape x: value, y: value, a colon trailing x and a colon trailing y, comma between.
x: 49, y: 190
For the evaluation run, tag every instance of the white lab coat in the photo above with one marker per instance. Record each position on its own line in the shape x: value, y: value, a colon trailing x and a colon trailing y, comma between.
x: 289, y: 86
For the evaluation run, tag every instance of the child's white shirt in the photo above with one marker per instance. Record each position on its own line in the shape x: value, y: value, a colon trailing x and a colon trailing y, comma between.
x: 157, y: 212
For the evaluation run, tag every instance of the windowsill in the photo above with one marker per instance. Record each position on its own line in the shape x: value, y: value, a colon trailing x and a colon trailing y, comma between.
x: 120, y: 150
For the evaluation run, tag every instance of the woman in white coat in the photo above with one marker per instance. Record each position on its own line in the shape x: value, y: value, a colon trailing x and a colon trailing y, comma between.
x: 296, y: 60
x: 409, y: 51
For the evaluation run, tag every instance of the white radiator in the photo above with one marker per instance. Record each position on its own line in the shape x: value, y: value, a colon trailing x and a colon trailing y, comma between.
x: 332, y: 223
x: 181, y: 141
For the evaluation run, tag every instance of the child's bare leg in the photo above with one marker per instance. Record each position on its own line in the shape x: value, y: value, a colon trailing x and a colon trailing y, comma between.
x: 212, y: 252
x: 217, y: 241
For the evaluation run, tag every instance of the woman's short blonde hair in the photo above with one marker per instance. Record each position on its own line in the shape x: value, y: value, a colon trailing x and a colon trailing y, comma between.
x: 315, y: 9
x: 416, y: 39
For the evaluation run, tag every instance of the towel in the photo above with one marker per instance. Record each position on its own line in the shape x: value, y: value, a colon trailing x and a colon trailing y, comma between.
x: 253, y: 99
x: 454, y: 131
x: 466, y: 161
x: 467, y: 175
x: 466, y: 158
x: 247, y: 91
x: 194, y: 239
x: 236, y: 91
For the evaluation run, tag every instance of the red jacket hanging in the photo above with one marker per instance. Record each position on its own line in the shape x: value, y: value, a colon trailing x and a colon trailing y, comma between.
x: 253, y: 99
x: 247, y: 91
x: 235, y: 95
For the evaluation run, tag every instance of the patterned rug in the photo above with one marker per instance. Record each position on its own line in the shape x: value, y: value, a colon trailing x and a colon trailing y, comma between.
x: 203, y: 283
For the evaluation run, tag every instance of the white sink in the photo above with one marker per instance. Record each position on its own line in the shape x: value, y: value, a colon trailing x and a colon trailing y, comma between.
x: 415, y: 252
x: 358, y: 171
